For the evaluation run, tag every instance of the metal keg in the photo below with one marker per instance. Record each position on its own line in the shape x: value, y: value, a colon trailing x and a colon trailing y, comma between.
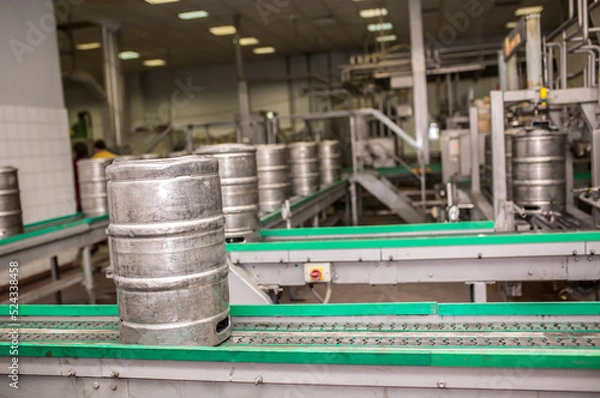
x: 304, y: 166
x: 11, y: 217
x: 92, y: 185
x: 167, y: 247
x: 489, y: 165
x: 239, y: 187
x: 178, y: 154
x: 539, y: 171
x: 330, y: 165
x: 273, y: 176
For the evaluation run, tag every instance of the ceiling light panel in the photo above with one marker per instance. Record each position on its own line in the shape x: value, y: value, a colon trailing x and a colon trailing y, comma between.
x: 264, y: 50
x: 373, y: 12
x: 248, y: 41
x: 87, y: 46
x: 222, y: 30
x: 386, y: 38
x: 154, y: 62
x: 125, y: 55
x: 192, y: 15
x: 377, y: 27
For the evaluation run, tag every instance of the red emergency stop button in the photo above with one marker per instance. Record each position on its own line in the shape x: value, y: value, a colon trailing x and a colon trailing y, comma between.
x: 315, y: 274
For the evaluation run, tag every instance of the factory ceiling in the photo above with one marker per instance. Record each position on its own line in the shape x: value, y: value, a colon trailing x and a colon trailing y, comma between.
x: 291, y: 27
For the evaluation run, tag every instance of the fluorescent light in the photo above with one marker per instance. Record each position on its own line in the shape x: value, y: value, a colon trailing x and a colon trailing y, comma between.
x: 528, y: 10
x: 222, y: 30
x: 376, y: 27
x: 511, y: 25
x: 385, y: 38
x: 264, y: 50
x: 125, y: 55
x: 373, y: 12
x: 88, y: 46
x: 155, y: 2
x: 154, y: 62
x: 192, y: 15
x: 248, y: 41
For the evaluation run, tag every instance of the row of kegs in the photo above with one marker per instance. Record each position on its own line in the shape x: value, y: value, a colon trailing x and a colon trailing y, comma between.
x: 535, y: 168
x: 254, y: 179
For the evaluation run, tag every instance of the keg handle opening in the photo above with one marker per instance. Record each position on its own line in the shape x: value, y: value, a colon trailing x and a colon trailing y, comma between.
x: 239, y: 239
x: 223, y: 325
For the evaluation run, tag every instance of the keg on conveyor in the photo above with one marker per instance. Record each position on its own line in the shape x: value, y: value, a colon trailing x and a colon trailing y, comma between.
x: 273, y: 176
x: 92, y: 186
x: 489, y: 165
x: 239, y: 187
x: 539, y: 170
x: 304, y: 167
x: 150, y: 156
x: 177, y: 154
x: 11, y: 217
x: 330, y: 162
x: 167, y: 247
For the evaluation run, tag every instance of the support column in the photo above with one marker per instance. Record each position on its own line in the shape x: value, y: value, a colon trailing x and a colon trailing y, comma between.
x: 503, y: 216
x: 417, y: 49
x: 88, y: 274
x: 535, y: 78
x: 479, y: 292
x: 596, y: 170
x: 243, y: 98
x: 512, y: 74
x: 474, y: 130
x: 113, y: 84
x: 502, y: 71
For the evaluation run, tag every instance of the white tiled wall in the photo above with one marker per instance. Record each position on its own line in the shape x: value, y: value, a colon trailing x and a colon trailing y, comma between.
x: 35, y: 140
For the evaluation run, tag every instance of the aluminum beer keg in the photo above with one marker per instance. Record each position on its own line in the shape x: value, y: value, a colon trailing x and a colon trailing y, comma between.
x: 92, y: 186
x: 539, y: 170
x: 273, y: 176
x: 239, y: 187
x: 167, y: 247
x: 11, y: 217
x: 150, y: 156
x: 304, y: 166
x: 330, y: 165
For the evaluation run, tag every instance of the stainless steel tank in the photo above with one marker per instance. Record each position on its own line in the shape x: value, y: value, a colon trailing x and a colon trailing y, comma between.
x: 539, y: 170
x: 167, y: 247
x: 11, y: 217
x: 304, y: 166
x: 92, y: 185
x: 488, y: 166
x: 273, y: 176
x: 239, y: 187
x: 330, y: 164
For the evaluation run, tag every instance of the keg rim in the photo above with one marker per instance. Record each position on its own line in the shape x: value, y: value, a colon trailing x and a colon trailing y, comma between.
x: 8, y: 169
x: 524, y: 133
x: 302, y: 144
x: 268, y: 147
x: 143, y: 169
x: 224, y: 149
x: 329, y: 142
x: 95, y: 161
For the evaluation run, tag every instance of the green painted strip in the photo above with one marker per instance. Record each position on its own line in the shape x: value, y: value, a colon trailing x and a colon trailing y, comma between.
x: 522, y: 358
x: 302, y: 310
x: 508, y: 309
x: 358, y: 309
x: 428, y: 241
x: 401, y: 170
x: 381, y: 229
x: 70, y: 217
x: 62, y: 310
x: 295, y: 205
x: 438, y: 357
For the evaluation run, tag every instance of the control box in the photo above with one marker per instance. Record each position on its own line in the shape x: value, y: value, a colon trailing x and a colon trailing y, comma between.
x: 317, y: 272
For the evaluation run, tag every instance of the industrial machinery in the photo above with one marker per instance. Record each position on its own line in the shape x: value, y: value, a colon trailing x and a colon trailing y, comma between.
x: 416, y: 349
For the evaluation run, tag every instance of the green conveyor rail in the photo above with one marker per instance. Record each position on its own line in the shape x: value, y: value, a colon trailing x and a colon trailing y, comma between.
x: 381, y: 229
x: 277, y: 214
x: 555, y: 357
x: 420, y: 241
x: 52, y: 225
x: 401, y: 170
x: 591, y: 308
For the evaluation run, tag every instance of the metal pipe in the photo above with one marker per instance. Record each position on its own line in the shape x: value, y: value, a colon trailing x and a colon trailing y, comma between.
x: 534, y: 52
x: 562, y: 62
x: 548, y: 65
x: 512, y: 76
x: 502, y: 71
x: 113, y: 84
